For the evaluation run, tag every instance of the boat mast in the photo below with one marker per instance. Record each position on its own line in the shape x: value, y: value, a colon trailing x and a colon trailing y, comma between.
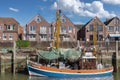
x: 94, y: 37
x: 57, y: 29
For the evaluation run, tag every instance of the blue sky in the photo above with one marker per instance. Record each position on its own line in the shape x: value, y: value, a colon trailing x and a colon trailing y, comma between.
x: 78, y: 11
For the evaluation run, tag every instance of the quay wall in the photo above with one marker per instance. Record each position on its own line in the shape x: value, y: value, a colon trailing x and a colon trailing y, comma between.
x: 6, y: 62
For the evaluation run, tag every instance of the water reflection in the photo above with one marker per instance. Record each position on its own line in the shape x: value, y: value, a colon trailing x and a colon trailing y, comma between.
x: 71, y: 78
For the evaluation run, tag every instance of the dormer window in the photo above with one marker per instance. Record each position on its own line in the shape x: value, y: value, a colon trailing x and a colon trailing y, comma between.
x: 63, y: 20
x: 38, y: 19
x: 9, y: 27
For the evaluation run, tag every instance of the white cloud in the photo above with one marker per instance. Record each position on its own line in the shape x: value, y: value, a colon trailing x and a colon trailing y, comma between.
x: 13, y: 9
x: 114, y: 2
x: 93, y: 9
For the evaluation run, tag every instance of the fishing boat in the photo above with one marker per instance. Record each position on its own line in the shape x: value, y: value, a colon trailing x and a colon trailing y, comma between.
x: 87, y: 65
x: 36, y: 69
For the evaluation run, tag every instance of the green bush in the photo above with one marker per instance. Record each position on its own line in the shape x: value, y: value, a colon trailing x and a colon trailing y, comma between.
x: 22, y: 43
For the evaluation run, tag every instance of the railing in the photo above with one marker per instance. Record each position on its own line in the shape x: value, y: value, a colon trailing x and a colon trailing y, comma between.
x: 32, y: 39
x: 43, y: 39
x: 43, y: 32
x: 32, y: 32
x: 66, y: 39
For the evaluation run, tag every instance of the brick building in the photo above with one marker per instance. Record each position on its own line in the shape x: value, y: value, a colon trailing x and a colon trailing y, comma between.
x: 113, y: 25
x: 9, y: 29
x: 68, y: 30
x: 87, y: 31
x: 37, y: 29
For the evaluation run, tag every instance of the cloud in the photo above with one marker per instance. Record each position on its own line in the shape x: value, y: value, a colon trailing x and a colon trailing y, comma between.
x: 13, y: 9
x: 114, y: 2
x: 93, y: 9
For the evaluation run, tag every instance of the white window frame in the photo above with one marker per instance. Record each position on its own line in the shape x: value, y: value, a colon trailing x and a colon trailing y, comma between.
x: 4, y: 36
x: 111, y: 28
x: 38, y: 20
x: 32, y: 29
x: 43, y: 37
x: 70, y: 29
x: 63, y: 29
x: 32, y: 37
x: 9, y: 27
x: 10, y: 36
x: 65, y: 38
x: 63, y: 20
x: 91, y: 28
x: 43, y: 29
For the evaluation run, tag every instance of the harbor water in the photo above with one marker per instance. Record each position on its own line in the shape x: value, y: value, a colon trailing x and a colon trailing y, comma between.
x: 21, y: 76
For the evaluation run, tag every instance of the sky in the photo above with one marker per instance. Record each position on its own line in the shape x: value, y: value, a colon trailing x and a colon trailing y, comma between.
x: 78, y: 11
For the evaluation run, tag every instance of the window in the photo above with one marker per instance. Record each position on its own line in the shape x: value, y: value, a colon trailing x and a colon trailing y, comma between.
x: 66, y: 38
x: 91, y: 37
x: 32, y: 36
x: 43, y: 37
x: 43, y: 29
x: 38, y: 19
x: 99, y: 37
x: 116, y: 28
x: 116, y: 21
x: 4, y: 36
x: 70, y: 29
x: 63, y: 29
x: 111, y: 28
x: 99, y: 28
x: 32, y: 28
x: 63, y: 20
x: 9, y: 27
x: 10, y: 36
x: 91, y: 28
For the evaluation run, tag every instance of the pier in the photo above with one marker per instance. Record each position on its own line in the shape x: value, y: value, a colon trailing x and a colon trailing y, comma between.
x: 105, y: 51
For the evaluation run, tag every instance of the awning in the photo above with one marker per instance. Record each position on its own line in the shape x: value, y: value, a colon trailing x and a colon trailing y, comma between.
x: 114, y: 35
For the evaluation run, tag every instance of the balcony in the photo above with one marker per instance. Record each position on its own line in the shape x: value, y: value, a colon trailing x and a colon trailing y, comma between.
x: 66, y: 39
x: 63, y: 33
x: 43, y: 32
x: 43, y: 39
x: 11, y: 31
x: 32, y: 39
x: 32, y: 32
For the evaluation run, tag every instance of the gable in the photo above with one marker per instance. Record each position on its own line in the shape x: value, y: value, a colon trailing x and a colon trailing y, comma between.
x: 92, y: 22
x: 66, y: 20
x: 37, y: 19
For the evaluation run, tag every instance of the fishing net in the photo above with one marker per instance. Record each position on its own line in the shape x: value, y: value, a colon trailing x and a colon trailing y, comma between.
x: 69, y: 54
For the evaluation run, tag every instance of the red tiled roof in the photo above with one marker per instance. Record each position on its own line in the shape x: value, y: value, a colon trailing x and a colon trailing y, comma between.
x: 8, y: 20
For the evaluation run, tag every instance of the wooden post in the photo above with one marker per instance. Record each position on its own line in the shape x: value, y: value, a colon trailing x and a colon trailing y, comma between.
x: 2, y: 64
x: 117, y: 55
x: 13, y: 57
